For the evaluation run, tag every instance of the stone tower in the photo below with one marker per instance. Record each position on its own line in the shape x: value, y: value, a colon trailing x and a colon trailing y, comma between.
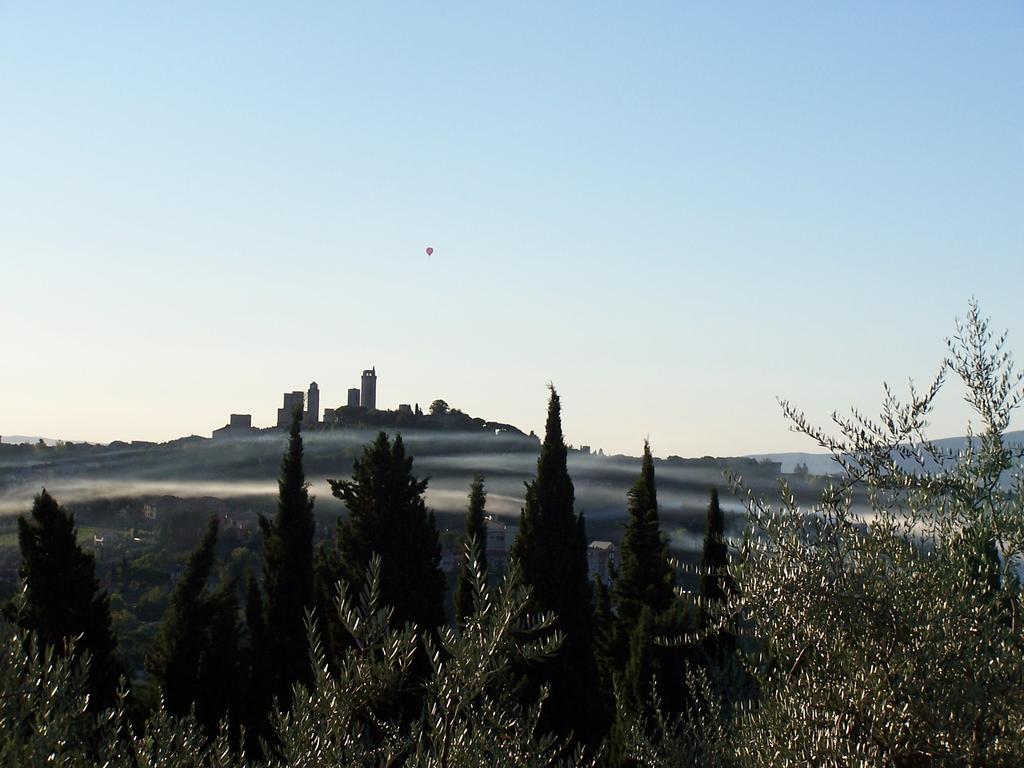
x: 368, y: 390
x: 312, y: 415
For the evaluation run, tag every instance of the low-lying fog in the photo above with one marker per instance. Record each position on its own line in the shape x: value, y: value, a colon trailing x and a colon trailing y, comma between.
x: 247, y: 469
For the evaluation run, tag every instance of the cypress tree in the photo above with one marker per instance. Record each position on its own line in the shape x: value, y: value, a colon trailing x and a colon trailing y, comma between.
x: 605, y: 641
x: 644, y: 576
x: 288, y: 574
x: 62, y: 596
x: 173, y: 660
x: 715, y: 582
x: 194, y: 658
x: 476, y: 531
x: 637, y: 675
x: 552, y: 551
x: 645, y: 607
x: 387, y: 516
x: 220, y: 675
x: 259, y: 695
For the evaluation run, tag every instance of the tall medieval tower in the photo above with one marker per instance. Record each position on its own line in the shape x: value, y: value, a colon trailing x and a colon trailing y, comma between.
x: 368, y: 390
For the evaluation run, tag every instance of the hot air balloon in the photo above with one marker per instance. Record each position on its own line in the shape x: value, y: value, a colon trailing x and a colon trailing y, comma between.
x: 430, y: 251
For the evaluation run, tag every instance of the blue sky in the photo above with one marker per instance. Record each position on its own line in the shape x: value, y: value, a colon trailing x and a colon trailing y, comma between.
x: 676, y: 212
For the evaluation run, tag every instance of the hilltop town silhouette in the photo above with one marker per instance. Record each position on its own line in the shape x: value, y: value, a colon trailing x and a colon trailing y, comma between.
x: 360, y: 410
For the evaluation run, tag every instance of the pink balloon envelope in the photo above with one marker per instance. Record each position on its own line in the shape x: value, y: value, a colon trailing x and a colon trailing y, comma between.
x: 430, y: 251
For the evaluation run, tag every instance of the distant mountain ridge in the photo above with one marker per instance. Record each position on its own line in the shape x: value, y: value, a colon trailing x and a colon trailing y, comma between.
x: 824, y: 464
x: 817, y: 463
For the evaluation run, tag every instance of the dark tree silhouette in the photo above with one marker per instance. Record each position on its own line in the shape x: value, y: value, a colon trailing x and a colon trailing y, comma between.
x: 644, y: 607
x: 173, y: 660
x: 644, y: 576
x: 62, y: 598
x: 387, y: 516
x: 476, y: 531
x: 258, y: 697
x: 194, y: 657
x: 606, y: 652
x: 288, y: 574
x: 552, y: 550
x: 715, y: 582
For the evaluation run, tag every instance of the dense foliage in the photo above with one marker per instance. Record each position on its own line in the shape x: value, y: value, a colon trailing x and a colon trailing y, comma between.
x: 387, y: 516
x: 887, y: 633
x: 340, y: 719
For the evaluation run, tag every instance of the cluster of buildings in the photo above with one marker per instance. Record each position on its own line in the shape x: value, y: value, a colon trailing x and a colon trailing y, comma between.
x: 308, y: 404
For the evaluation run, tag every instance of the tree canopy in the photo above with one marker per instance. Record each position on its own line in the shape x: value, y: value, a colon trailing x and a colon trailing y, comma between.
x: 387, y: 516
